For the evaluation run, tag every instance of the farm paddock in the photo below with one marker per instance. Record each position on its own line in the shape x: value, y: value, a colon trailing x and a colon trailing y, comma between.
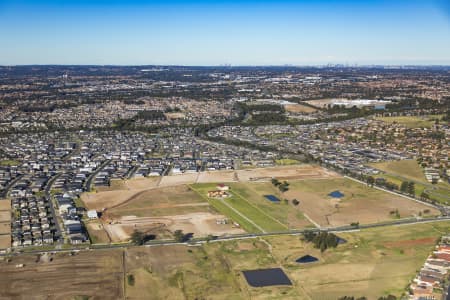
x: 372, y: 263
x: 93, y: 274
x: 360, y: 203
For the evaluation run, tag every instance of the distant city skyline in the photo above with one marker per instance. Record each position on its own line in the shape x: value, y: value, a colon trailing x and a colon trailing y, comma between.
x: 232, y: 32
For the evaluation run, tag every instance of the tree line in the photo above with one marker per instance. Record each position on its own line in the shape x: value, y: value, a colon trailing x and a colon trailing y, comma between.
x: 322, y: 240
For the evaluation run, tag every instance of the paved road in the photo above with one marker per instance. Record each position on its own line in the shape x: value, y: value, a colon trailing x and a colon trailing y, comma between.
x: 446, y: 293
x: 48, y: 187
x: 131, y: 172
x: 91, y: 177
x: 6, y: 191
x: 239, y: 236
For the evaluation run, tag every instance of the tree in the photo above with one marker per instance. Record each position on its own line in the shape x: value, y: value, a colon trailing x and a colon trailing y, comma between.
x: 411, y: 188
x: 370, y: 180
x: 404, y: 186
x: 179, y: 235
x: 209, y: 238
x: 390, y: 297
x: 322, y: 240
x: 137, y: 237
x: 130, y: 279
x: 284, y: 187
x: 424, y: 196
x: 275, y: 182
x: 295, y: 202
x: 354, y: 224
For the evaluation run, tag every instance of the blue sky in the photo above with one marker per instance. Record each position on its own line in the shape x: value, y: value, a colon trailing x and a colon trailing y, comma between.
x: 266, y: 32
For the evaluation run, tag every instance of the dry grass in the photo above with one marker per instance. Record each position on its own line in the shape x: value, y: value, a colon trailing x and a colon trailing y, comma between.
x: 298, y: 108
x: 360, y: 203
x: 373, y: 263
x: 217, y: 176
x: 97, y: 232
x: 101, y: 200
x: 407, y: 168
x: 142, y: 183
x: 96, y: 274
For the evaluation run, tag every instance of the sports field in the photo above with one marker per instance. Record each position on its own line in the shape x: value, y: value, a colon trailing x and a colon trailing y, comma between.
x: 412, y: 121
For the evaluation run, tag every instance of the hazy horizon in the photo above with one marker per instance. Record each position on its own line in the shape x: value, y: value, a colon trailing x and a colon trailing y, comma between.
x: 240, y: 33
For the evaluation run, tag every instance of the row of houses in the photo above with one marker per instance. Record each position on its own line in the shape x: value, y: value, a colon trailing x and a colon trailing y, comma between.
x: 429, y: 283
x: 71, y: 216
x: 33, y: 222
x: 70, y: 163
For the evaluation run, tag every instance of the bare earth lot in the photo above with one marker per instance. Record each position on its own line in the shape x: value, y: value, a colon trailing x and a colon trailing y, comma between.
x: 158, y: 211
x: 298, y: 108
x: 199, y: 224
x: 285, y: 172
x: 215, y: 176
x: 5, y: 223
x: 98, y: 274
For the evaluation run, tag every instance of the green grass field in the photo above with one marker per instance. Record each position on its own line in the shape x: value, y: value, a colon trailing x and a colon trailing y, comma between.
x: 361, y: 203
x: 247, y: 199
x: 373, y: 263
x: 241, y: 211
x: 403, y: 170
x: 9, y: 162
x: 408, y: 168
x: 412, y: 121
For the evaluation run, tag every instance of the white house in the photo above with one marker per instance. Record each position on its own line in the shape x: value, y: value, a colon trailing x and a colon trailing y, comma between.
x: 92, y: 214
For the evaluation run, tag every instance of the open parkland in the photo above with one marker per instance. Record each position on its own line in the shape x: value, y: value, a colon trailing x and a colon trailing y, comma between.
x: 372, y: 262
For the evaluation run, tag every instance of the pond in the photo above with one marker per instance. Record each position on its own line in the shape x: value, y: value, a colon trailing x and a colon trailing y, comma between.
x: 266, y: 277
x: 306, y: 259
x: 272, y: 198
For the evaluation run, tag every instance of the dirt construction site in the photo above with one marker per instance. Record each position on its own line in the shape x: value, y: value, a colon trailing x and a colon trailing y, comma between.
x: 5, y: 223
x: 159, y: 206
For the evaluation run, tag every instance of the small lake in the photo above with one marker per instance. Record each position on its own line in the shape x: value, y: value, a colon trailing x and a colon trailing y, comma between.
x: 266, y: 277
